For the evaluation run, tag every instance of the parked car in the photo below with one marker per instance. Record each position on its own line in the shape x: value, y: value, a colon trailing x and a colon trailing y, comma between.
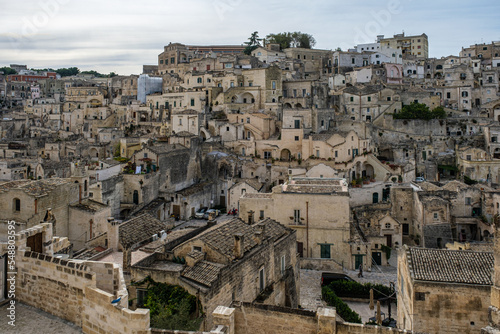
x: 420, y: 179
x: 327, y: 278
x: 199, y: 214
x: 207, y: 213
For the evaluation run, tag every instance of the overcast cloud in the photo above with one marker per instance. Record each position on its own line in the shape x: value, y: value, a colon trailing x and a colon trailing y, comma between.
x: 121, y: 36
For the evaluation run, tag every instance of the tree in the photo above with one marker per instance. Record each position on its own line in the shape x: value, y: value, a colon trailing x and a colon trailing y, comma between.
x: 284, y: 39
x: 420, y: 111
x: 305, y: 41
x: 7, y: 70
x: 294, y: 39
x: 67, y: 72
x: 253, y: 43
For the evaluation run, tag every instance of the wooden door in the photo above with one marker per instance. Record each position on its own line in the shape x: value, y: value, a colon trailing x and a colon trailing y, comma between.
x: 35, y: 243
x: 300, y: 249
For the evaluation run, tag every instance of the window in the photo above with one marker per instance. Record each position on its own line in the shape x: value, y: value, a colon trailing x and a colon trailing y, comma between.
x: 296, y: 216
x: 296, y: 138
x: 436, y: 216
x: 369, y: 98
x: 387, y: 225
x: 352, y: 98
x: 297, y: 124
x: 261, y: 214
x: 231, y: 84
x: 353, y: 61
x: 283, y: 264
x: 17, y: 204
x: 141, y: 297
x: 325, y: 251
x: 192, y: 102
x: 262, y: 282
x: 180, y: 121
x: 243, y: 191
x: 468, y: 157
x: 197, y: 248
x: 468, y: 201
x: 420, y: 296
x: 273, y: 84
x: 267, y: 155
x: 406, y: 229
x: 336, y: 154
x: 248, y: 120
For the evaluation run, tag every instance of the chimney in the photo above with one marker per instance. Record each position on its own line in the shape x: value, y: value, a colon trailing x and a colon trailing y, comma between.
x: 259, y: 233
x: 113, y: 233
x: 238, y: 246
x: 250, y: 217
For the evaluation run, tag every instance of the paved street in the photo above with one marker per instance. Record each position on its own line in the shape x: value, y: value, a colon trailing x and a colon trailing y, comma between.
x: 30, y: 320
x: 310, y: 289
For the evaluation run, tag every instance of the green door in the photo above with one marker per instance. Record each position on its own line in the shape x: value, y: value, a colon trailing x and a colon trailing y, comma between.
x: 358, y: 260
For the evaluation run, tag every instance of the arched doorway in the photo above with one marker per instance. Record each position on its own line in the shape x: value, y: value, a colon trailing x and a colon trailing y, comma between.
x: 369, y: 171
x: 248, y: 98
x: 285, y: 155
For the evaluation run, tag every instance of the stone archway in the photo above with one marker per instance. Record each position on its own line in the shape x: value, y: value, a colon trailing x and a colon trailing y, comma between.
x: 94, y: 153
x: 247, y: 98
x: 285, y: 155
x: 368, y: 171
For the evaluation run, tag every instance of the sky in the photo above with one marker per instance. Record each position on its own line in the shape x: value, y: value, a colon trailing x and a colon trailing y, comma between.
x: 121, y: 36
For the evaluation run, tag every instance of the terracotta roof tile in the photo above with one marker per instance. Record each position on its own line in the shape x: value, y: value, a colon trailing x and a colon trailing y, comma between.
x: 203, y: 272
x: 451, y: 266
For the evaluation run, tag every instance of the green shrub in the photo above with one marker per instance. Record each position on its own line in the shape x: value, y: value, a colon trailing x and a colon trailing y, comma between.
x: 171, y: 307
x: 420, y: 111
x: 354, y: 289
x: 342, y: 308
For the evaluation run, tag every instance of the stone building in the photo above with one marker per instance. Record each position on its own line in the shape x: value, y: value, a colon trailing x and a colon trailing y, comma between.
x: 77, y: 291
x: 301, y: 205
x: 27, y: 201
x: 246, y: 261
x: 443, y: 291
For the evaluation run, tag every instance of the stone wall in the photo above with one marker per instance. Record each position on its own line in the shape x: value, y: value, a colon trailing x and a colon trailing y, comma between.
x: 70, y: 291
x: 450, y: 308
x: 246, y: 318
x: 321, y: 264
